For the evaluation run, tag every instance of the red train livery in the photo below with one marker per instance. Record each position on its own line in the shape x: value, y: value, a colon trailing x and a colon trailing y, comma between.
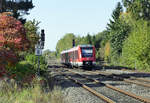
x: 82, y: 55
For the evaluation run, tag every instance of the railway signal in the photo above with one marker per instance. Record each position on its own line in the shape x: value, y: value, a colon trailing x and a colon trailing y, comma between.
x: 73, y: 43
x: 42, y: 35
x: 42, y: 38
x: 38, y: 49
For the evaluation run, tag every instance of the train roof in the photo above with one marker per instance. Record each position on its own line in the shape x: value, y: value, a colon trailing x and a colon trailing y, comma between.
x: 69, y: 50
x: 75, y: 48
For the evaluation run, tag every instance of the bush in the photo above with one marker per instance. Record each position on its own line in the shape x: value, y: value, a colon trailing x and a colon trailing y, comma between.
x: 33, y: 59
x: 136, y: 47
x: 25, y: 71
x: 21, y: 70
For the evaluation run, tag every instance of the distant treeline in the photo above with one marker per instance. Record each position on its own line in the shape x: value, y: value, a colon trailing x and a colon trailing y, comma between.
x: 126, y: 39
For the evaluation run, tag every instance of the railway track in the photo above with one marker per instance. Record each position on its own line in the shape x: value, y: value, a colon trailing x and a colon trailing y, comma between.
x: 102, y: 95
x: 106, y: 99
x: 130, y: 79
x: 99, y: 95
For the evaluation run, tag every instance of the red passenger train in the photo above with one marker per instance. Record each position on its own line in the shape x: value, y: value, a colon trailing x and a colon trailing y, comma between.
x: 80, y: 56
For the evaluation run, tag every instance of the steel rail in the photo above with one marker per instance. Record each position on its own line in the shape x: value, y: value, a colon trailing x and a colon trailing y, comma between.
x: 104, y: 98
x: 140, y: 79
x: 130, y: 77
x: 101, y: 96
x: 135, y: 82
x: 143, y: 99
x: 123, y: 79
x: 136, y: 71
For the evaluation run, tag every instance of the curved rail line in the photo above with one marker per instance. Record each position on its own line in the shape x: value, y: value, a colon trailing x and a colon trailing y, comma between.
x: 136, y: 71
x: 146, y: 100
x: 99, y: 95
x: 141, y: 79
x: 104, y: 98
x: 130, y: 80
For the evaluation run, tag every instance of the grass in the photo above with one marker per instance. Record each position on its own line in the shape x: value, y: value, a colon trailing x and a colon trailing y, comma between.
x: 11, y: 93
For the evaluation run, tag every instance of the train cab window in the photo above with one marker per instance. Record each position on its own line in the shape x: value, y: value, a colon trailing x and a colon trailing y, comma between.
x: 87, y: 51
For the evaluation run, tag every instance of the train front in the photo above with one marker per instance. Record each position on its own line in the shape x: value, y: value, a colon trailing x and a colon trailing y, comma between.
x: 87, y: 55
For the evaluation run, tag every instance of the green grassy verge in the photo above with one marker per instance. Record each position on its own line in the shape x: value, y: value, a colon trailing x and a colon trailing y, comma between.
x: 10, y: 93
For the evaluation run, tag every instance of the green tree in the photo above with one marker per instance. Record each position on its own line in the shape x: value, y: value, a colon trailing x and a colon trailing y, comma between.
x: 84, y: 40
x: 49, y: 54
x: 101, y: 39
x: 19, y: 7
x: 118, y: 30
x: 88, y: 39
x: 119, y: 35
x: 32, y: 33
x: 115, y: 16
x: 64, y: 43
x: 136, y: 47
x: 101, y: 42
x: 140, y: 9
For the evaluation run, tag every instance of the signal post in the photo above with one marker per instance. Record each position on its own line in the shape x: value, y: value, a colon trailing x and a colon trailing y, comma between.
x: 38, y: 49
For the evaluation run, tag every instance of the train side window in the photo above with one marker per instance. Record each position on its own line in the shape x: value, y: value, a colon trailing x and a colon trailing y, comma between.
x: 76, y: 54
x: 67, y: 56
x: 71, y: 55
x: 63, y: 56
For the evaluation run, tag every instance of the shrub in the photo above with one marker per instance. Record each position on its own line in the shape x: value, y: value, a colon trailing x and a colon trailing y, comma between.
x: 136, y: 47
x: 25, y: 71
x: 21, y: 71
x: 33, y: 59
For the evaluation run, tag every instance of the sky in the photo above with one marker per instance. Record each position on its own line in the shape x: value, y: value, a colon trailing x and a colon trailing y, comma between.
x: 80, y: 17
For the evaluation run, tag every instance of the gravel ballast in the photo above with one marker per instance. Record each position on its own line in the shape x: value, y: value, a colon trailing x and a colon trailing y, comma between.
x: 73, y: 93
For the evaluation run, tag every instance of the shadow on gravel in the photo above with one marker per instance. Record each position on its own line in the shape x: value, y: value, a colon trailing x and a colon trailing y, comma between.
x: 55, y: 66
x: 137, y: 75
x: 111, y: 67
x: 64, y: 83
x: 124, y: 75
x: 59, y: 80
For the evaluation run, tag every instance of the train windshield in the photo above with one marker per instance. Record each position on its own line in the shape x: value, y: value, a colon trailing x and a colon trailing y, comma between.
x: 87, y: 51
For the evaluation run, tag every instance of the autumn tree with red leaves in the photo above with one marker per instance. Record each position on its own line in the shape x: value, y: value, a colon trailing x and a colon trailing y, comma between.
x: 12, y: 41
